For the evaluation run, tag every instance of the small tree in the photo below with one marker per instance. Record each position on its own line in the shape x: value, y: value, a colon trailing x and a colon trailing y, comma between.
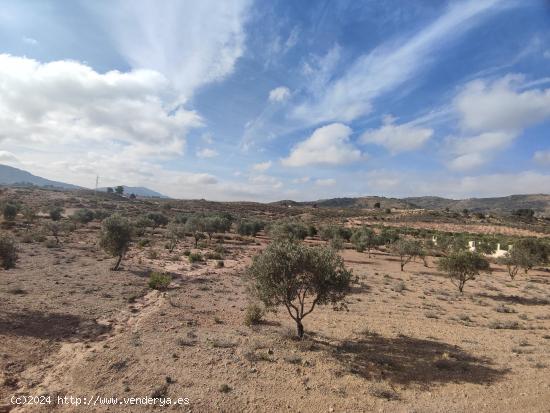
x: 9, y: 211
x: 54, y: 228
x: 526, y: 254
x: 407, y: 250
x: 115, y: 237
x: 249, y: 227
x: 288, y: 230
x: 110, y: 190
x: 119, y: 190
x: 55, y: 213
x: 299, y: 278
x: 8, y: 251
x: 83, y: 216
x: 175, y: 233
x: 463, y: 266
x: 158, y: 219
x: 364, y: 239
x: 29, y: 214
x: 195, y: 225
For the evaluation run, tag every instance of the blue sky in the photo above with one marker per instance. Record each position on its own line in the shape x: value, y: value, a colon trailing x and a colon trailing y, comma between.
x: 247, y: 100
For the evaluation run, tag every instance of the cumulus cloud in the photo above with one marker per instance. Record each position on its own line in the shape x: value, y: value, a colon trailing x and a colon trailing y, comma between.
x: 327, y: 145
x: 207, y: 153
x: 492, y: 115
x: 262, y: 166
x: 542, y: 157
x: 68, y: 102
x: 390, y: 65
x: 301, y: 180
x: 262, y: 179
x: 191, y: 43
x: 397, y: 138
x: 279, y: 94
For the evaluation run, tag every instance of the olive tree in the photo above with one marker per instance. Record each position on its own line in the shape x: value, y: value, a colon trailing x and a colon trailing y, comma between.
x: 175, y: 233
x: 290, y: 230
x: 55, y: 213
x: 299, y: 278
x: 407, y: 250
x: 115, y: 237
x: 8, y: 251
x: 9, y: 211
x: 363, y: 239
x: 195, y: 225
x: 250, y: 227
x: 463, y: 266
x: 525, y: 254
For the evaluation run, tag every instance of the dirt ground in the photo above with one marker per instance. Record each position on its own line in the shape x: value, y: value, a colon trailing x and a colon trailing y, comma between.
x: 408, y: 343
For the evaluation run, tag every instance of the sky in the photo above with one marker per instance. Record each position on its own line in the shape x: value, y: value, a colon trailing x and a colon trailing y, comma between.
x: 263, y: 101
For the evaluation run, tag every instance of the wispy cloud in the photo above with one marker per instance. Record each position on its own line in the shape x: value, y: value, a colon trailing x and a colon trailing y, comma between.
x: 390, y: 65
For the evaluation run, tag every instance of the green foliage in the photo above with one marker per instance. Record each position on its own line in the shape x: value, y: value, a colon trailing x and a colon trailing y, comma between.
x: 311, y: 230
x: 463, y: 266
x: 335, y: 231
x: 141, y: 224
x: 299, y: 278
x: 407, y: 250
x: 8, y: 251
x: 364, y: 238
x: 83, y: 216
x: 175, y: 233
x: 29, y: 214
x: 388, y: 236
x: 115, y: 236
x: 119, y: 189
x: 158, y: 219
x: 250, y: 227
x: 55, y: 213
x: 100, y: 214
x: 159, y: 281
x: 524, y: 213
x: 526, y: 253
x: 9, y: 211
x: 287, y: 230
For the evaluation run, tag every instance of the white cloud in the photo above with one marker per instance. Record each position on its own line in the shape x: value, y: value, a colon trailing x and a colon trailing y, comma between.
x: 502, y: 105
x: 279, y: 94
x: 196, y: 179
x: 327, y: 145
x: 397, y: 138
x: 390, y: 65
x: 325, y: 182
x: 68, y: 102
x: 191, y: 43
x: 262, y: 166
x: 542, y: 157
x: 497, y: 113
x: 266, y: 180
x: 207, y: 153
x: 6, y: 156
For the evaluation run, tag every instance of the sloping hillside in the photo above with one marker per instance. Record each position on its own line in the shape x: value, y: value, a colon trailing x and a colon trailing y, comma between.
x: 12, y: 176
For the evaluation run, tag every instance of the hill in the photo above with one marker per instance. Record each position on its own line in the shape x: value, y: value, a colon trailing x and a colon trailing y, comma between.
x: 139, y: 191
x: 14, y: 176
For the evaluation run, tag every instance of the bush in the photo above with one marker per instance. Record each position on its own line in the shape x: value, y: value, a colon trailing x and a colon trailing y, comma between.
x: 220, y: 264
x: 8, y: 251
x: 175, y: 233
x: 249, y: 227
x: 9, y: 211
x: 157, y: 219
x: 195, y: 257
x: 364, y: 239
x: 159, y: 281
x: 335, y: 231
x: 115, y: 237
x: 83, y: 216
x: 298, y: 277
x: 55, y: 213
x: 287, y: 230
x: 253, y: 315
x: 463, y: 266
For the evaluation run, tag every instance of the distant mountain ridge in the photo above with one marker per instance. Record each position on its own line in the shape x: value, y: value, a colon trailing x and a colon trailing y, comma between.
x: 538, y: 202
x: 14, y: 176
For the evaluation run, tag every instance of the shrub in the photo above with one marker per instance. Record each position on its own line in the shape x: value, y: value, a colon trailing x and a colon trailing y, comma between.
x: 287, y: 230
x: 298, y: 277
x: 115, y: 237
x: 407, y: 250
x: 9, y: 211
x: 54, y: 228
x: 159, y: 281
x: 220, y: 264
x: 463, y: 266
x: 83, y: 216
x: 141, y: 224
x: 157, y: 219
x: 8, y: 251
x: 388, y: 236
x: 335, y: 231
x: 253, y: 315
x: 55, y: 213
x: 249, y: 227
x: 195, y: 225
x: 195, y: 257
x: 176, y: 232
